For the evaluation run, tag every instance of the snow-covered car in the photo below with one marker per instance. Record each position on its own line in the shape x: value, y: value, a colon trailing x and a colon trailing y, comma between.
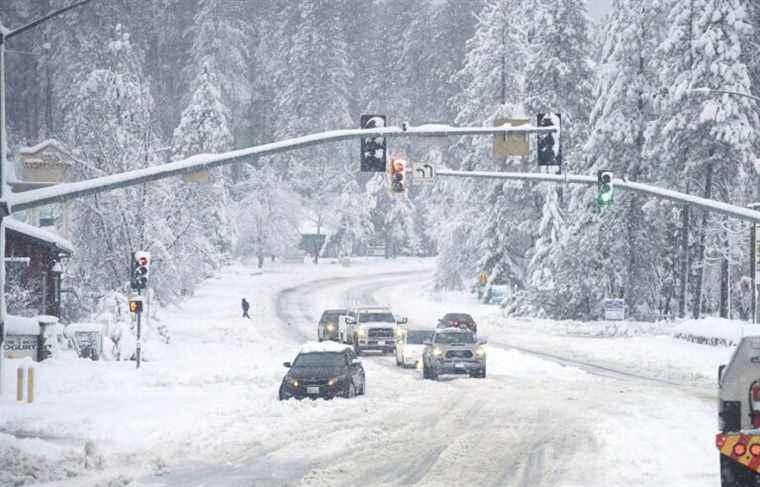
x: 454, y: 351
x: 410, y: 346
x: 327, y: 328
x: 458, y: 320
x: 498, y: 294
x: 323, y: 369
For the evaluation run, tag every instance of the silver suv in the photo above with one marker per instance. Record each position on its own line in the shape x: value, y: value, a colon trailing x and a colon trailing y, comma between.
x: 454, y: 351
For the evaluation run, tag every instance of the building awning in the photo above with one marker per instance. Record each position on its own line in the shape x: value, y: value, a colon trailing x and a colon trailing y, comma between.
x: 45, y: 237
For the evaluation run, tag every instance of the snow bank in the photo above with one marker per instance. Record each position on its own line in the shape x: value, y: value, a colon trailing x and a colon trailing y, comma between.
x: 19, y: 325
x: 328, y: 346
x: 83, y: 327
x: 714, y: 331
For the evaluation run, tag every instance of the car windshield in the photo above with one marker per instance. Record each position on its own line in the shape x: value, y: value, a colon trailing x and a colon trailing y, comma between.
x: 331, y: 315
x: 458, y: 317
x: 383, y: 317
x: 322, y: 359
x: 448, y: 338
x: 416, y: 337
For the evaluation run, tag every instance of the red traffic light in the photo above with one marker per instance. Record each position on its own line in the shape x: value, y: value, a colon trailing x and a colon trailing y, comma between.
x: 397, y: 172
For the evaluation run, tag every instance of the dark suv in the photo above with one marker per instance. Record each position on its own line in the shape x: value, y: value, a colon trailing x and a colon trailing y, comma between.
x: 458, y: 320
x: 327, y: 328
x: 325, y: 370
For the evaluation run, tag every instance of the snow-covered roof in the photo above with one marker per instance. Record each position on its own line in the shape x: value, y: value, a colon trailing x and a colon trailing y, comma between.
x: 309, y: 227
x: 454, y: 330
x: 328, y: 346
x: 44, y: 145
x: 39, y: 234
x: 20, y: 325
x: 83, y: 327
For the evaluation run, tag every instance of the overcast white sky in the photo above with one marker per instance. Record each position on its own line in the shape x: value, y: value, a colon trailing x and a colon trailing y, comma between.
x: 597, y: 8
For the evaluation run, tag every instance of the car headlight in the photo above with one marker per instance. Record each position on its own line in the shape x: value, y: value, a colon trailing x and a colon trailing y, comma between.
x: 399, y: 332
x: 480, y: 352
x: 332, y: 381
x: 330, y: 327
x: 437, y: 352
x: 293, y: 382
x: 361, y: 332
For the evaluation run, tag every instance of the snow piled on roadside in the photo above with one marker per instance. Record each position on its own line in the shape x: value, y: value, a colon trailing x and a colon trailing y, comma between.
x: 714, y: 331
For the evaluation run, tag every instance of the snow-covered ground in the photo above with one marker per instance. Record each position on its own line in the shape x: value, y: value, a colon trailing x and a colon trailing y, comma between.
x: 207, y: 412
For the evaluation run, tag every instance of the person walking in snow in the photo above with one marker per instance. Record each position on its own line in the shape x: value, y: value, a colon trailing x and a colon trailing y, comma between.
x: 246, y: 305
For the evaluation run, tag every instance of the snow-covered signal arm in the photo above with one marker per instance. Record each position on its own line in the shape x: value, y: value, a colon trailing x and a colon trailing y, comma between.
x: 662, y: 193
x: 15, y: 202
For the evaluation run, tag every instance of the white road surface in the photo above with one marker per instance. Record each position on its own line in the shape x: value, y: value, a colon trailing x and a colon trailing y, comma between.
x: 556, y: 419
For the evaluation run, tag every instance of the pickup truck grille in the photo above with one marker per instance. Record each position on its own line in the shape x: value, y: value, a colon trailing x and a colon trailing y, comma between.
x: 380, y: 332
x: 459, y: 354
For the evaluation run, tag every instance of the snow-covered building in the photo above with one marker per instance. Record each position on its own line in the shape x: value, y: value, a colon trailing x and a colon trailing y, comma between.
x: 45, y: 164
x: 36, y: 240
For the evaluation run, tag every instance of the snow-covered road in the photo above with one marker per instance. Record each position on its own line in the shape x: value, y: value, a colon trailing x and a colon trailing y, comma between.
x: 557, y: 417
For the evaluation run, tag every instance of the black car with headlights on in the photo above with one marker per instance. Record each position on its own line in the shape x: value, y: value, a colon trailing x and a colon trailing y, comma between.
x: 327, y: 328
x: 325, y: 370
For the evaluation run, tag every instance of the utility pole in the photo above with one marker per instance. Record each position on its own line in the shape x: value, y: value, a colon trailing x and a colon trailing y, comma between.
x: 753, y: 230
x: 6, y: 34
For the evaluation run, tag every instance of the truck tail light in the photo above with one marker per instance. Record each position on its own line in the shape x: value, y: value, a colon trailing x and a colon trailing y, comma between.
x: 754, y: 449
x: 739, y: 449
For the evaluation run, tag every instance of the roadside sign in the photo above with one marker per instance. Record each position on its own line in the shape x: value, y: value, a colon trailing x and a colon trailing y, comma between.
x: 424, y: 173
x: 511, y: 144
x: 614, y: 309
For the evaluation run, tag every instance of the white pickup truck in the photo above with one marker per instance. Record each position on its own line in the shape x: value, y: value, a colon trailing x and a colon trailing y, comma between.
x: 370, y: 328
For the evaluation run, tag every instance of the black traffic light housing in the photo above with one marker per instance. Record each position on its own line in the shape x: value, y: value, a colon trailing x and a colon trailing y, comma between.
x: 549, y: 145
x: 374, y: 153
x: 140, y: 270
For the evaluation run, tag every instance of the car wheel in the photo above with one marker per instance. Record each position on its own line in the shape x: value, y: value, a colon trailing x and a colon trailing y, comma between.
x: 364, y: 386
x: 424, y: 371
x: 351, y: 391
x: 482, y: 373
x: 432, y: 374
x: 398, y: 362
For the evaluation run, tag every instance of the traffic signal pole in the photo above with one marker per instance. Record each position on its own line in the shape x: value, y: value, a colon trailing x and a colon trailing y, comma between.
x: 647, y: 189
x: 138, y: 350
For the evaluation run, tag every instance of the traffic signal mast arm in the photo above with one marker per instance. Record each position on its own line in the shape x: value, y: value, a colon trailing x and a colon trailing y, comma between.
x: 15, y: 202
x: 662, y: 193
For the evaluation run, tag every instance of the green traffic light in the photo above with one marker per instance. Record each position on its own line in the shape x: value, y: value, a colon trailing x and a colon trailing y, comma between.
x: 604, y: 198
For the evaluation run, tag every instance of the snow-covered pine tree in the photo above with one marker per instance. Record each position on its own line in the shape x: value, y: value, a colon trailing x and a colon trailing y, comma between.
x: 220, y: 39
x: 558, y: 78
x: 109, y: 122
x: 205, y: 128
x: 491, y: 82
x: 315, y: 95
x: 626, y: 236
x: 705, y: 140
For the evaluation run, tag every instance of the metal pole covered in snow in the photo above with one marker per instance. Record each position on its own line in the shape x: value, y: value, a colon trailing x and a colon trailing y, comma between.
x: 204, y: 162
x: 662, y: 193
